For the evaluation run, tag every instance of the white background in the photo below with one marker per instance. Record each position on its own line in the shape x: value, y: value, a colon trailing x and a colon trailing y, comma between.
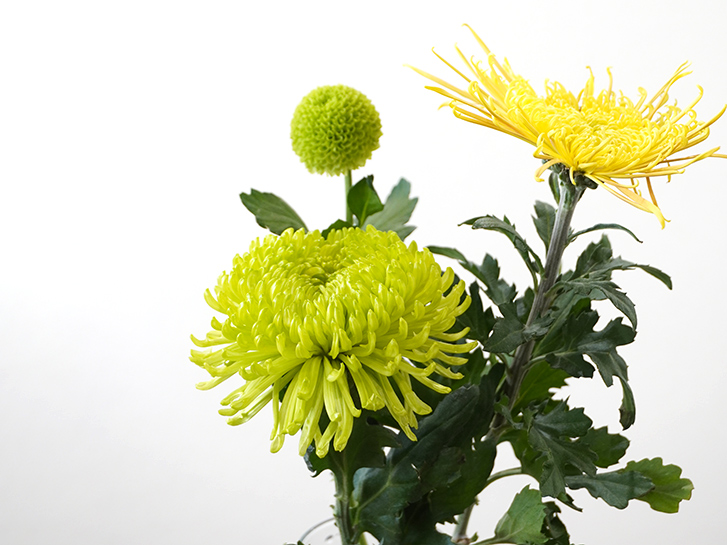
x: 127, y: 131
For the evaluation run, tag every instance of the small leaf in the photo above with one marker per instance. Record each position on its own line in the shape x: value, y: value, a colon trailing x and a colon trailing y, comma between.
x: 363, y: 200
x: 544, y: 221
x: 491, y: 223
x: 627, y: 410
x: 656, y: 273
x: 669, y: 487
x: 396, y: 213
x: 609, y: 448
x: 478, y: 320
x: 271, y: 212
x: 616, y: 488
x: 554, y: 184
x: 523, y: 521
x: 602, y: 226
x: 335, y: 226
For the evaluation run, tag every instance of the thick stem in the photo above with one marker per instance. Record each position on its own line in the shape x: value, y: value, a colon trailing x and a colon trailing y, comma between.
x: 347, y: 182
x: 341, y: 510
x: 569, y: 197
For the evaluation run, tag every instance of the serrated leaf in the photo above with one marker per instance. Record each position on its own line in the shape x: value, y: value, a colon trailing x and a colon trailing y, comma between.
x: 616, y: 488
x: 603, y: 289
x: 507, y: 334
x: 271, y: 212
x: 552, y: 436
x: 478, y: 320
x: 553, y: 528
x: 363, y: 200
x: 609, y: 448
x: 544, y: 221
x: 381, y: 494
x: 669, y: 487
x: 491, y: 223
x: 523, y: 521
x: 396, y: 212
x: 563, y: 422
x: 540, y: 379
x: 599, y: 227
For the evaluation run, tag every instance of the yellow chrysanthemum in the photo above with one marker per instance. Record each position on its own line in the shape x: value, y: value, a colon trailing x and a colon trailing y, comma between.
x: 605, y: 137
x: 341, y: 323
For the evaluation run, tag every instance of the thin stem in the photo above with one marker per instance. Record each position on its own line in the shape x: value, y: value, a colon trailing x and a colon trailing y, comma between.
x: 347, y: 182
x: 460, y: 531
x: 504, y: 473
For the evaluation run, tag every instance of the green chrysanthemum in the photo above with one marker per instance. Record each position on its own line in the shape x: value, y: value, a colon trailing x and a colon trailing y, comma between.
x: 335, y: 129
x: 341, y: 323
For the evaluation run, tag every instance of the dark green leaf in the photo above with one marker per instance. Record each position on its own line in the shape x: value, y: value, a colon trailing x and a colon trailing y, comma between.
x: 446, y: 502
x: 554, y: 184
x: 563, y: 422
x: 669, y: 487
x: 627, y: 410
x: 478, y: 320
x: 602, y: 289
x: 551, y: 435
x: 599, y: 227
x: 365, y: 448
x: 544, y: 221
x: 507, y: 335
x: 553, y: 528
x: 335, y: 226
x: 491, y: 223
x: 363, y: 200
x: 609, y: 448
x: 396, y: 213
x: 656, y: 273
x: 616, y: 488
x: 271, y: 212
x: 523, y: 521
x: 382, y: 494
x: 540, y: 379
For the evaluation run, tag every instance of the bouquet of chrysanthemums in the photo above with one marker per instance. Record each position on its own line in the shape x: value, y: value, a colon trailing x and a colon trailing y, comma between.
x: 403, y: 381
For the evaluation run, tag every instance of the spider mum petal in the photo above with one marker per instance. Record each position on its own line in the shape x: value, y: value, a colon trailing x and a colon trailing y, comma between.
x: 606, y: 137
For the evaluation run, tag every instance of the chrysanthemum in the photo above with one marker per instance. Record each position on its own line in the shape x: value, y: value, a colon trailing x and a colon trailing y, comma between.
x: 339, y: 324
x: 605, y: 137
x: 335, y: 129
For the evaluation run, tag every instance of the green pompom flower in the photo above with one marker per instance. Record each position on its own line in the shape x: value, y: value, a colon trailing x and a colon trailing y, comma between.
x: 335, y: 129
x: 316, y: 317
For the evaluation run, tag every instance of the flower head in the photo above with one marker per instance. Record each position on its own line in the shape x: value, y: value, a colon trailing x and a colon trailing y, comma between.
x: 339, y: 324
x: 335, y: 129
x: 605, y: 137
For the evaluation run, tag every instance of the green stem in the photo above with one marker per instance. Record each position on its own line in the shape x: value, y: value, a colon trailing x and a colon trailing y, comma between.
x: 504, y: 473
x: 460, y: 532
x: 341, y: 511
x: 347, y: 182
x: 569, y: 197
